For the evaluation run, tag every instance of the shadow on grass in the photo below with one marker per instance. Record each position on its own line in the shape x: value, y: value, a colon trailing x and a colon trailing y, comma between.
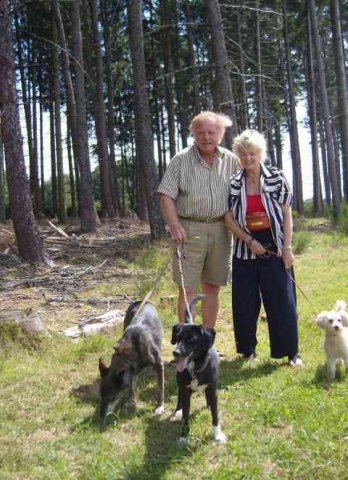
x: 161, y: 450
x: 237, y: 370
x: 323, y: 380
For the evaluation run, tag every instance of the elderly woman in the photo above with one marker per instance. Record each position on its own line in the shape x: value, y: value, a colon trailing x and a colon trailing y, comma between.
x: 194, y: 194
x: 260, y: 219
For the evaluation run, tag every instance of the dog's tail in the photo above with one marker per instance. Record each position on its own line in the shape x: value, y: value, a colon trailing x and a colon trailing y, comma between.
x: 188, y: 317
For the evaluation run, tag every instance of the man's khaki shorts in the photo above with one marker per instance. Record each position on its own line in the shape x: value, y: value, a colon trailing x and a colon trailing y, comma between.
x: 207, y: 254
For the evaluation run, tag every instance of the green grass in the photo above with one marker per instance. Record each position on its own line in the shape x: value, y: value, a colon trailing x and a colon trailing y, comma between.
x: 281, y: 423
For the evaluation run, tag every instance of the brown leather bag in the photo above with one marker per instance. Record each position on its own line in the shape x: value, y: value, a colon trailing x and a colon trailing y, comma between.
x: 257, y: 221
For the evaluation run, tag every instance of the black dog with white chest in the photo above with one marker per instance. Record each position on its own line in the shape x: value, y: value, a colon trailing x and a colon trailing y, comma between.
x: 197, y: 370
x: 139, y: 347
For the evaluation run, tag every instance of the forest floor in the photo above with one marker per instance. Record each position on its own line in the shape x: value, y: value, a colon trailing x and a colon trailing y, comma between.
x: 68, y: 291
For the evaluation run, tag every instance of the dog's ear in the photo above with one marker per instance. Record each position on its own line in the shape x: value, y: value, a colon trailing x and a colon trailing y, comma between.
x: 103, y: 369
x: 344, y: 318
x: 340, y: 305
x: 175, y: 331
x: 321, y: 319
x: 208, y: 336
x: 123, y: 347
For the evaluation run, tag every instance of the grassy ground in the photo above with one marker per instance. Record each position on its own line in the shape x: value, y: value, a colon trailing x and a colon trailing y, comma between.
x: 281, y: 423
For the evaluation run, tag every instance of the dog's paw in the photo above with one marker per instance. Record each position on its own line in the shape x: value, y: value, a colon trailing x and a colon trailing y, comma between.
x: 218, y: 435
x: 176, y: 416
x: 159, y: 410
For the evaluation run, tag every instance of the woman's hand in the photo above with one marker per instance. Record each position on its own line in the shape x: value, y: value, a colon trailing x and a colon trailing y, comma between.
x: 288, y: 258
x: 256, y: 247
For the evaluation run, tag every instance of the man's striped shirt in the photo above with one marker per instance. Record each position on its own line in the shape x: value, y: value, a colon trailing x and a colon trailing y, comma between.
x: 200, y: 192
x: 275, y: 191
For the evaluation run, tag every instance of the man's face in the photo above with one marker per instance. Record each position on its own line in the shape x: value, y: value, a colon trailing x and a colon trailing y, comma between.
x: 207, y: 136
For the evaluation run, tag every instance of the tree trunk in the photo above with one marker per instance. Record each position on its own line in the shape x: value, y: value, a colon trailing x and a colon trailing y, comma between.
x: 259, y: 83
x: 342, y: 94
x: 100, y: 120
x: 2, y: 181
x: 110, y: 109
x: 326, y: 112
x: 72, y: 182
x: 222, y: 73
x: 77, y: 115
x: 42, y: 152
x: 195, y: 101
x: 318, y: 205
x: 34, y: 163
x: 293, y: 131
x: 168, y: 77
x: 29, y: 241
x: 88, y: 211
x: 62, y: 217
x: 143, y: 134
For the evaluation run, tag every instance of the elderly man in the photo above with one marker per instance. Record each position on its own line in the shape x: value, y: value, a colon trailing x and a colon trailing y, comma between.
x: 194, y: 196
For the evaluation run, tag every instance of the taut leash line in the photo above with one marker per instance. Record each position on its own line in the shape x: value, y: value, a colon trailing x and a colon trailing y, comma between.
x: 180, y: 253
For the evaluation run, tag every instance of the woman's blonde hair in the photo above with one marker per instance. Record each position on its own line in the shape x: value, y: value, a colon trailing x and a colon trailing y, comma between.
x: 222, y: 121
x: 250, y: 139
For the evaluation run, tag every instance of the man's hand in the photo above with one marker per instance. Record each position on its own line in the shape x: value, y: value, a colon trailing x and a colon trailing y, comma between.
x: 177, y: 232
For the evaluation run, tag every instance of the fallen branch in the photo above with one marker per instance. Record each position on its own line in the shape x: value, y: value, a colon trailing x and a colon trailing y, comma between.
x: 98, y: 324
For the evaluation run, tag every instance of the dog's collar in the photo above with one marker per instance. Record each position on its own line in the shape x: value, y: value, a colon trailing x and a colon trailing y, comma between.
x: 191, y: 365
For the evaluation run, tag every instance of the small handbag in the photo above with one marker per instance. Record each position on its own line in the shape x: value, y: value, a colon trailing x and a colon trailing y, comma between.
x: 256, y: 221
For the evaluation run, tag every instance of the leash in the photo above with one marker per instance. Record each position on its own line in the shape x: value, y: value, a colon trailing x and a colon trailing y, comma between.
x: 267, y: 255
x: 154, y: 285
x: 180, y: 253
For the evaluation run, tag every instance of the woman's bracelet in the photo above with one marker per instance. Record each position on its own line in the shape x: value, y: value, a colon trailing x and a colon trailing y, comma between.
x: 287, y: 249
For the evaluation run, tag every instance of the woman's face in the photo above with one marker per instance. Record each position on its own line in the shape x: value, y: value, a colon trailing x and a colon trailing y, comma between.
x: 249, y: 157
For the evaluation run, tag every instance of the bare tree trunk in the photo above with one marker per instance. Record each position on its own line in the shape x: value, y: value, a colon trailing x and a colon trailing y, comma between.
x: 72, y: 183
x: 88, y: 211
x: 100, y: 120
x: 110, y: 110
x: 191, y: 58
x: 29, y: 241
x: 342, y: 94
x: 34, y: 163
x: 168, y: 77
x: 326, y: 112
x: 259, y: 86
x: 54, y: 193
x: 143, y: 134
x: 77, y: 116
x: 222, y: 73
x: 58, y: 131
x: 42, y: 153
x: 279, y: 149
x: 293, y: 131
x: 244, y: 111
x: 2, y: 180
x: 318, y: 205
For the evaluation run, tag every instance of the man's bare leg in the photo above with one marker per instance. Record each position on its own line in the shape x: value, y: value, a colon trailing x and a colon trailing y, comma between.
x: 210, y: 303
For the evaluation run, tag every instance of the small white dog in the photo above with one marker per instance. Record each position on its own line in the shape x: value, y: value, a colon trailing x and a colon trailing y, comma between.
x: 335, y: 323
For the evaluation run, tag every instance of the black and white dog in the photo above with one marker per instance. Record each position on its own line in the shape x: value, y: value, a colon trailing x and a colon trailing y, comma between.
x: 139, y: 347
x: 197, y: 370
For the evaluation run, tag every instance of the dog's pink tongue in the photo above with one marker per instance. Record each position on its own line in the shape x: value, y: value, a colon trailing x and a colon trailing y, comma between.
x: 180, y: 366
